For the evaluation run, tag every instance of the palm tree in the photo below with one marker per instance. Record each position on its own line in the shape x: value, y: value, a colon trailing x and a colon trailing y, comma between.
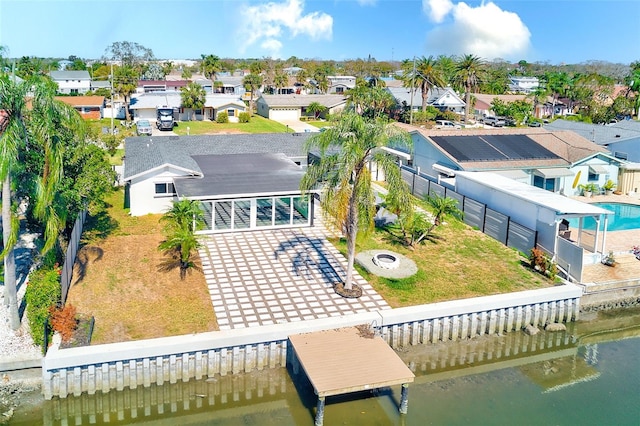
x: 210, y: 66
x: 12, y: 105
x: 347, y: 196
x: 316, y: 108
x: 181, y: 221
x: 441, y: 208
x: 252, y: 82
x: 424, y: 73
x: 49, y: 123
x: 193, y: 96
x: 470, y: 70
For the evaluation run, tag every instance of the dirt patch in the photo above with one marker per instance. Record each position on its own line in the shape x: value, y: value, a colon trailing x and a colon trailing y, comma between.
x: 118, y: 282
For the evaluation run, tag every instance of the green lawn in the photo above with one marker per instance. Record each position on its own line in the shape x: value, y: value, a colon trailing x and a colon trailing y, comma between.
x: 256, y: 125
x: 458, y: 263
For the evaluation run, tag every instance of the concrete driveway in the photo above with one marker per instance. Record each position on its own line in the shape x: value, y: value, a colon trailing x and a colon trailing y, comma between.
x: 299, y: 126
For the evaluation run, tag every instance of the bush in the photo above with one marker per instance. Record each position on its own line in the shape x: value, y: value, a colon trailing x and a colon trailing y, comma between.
x: 448, y: 115
x: 223, y: 117
x: 43, y: 293
x: 64, y: 321
x: 244, y: 117
x: 541, y: 262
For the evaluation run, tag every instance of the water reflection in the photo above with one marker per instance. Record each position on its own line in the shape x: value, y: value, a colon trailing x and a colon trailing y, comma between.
x: 580, y: 376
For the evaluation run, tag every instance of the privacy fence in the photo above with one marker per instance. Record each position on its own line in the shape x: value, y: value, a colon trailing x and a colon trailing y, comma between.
x: 476, y: 214
x: 70, y: 258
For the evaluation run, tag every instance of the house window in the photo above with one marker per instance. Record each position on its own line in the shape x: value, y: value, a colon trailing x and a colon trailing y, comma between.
x: 339, y: 89
x: 547, y: 184
x: 165, y: 188
x: 75, y: 91
x: 231, y: 112
x: 593, y: 177
x: 198, y: 111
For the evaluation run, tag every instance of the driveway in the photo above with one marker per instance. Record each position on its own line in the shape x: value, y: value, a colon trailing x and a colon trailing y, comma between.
x: 299, y: 126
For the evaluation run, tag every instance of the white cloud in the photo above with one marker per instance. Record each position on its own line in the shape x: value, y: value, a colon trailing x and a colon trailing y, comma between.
x: 367, y: 2
x: 266, y: 24
x: 485, y: 30
x: 437, y: 10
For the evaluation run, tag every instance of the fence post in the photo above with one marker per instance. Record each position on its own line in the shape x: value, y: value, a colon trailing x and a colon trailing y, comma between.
x: 45, y: 341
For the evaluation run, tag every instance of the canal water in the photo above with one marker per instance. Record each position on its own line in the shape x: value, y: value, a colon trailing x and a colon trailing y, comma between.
x: 588, y: 375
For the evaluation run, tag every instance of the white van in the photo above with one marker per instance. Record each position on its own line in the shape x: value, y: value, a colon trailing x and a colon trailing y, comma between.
x: 446, y: 124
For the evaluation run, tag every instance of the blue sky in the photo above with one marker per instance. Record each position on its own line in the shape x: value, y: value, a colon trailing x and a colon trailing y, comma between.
x: 556, y: 31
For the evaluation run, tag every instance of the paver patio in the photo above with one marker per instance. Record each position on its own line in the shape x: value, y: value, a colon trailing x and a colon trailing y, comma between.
x: 275, y: 276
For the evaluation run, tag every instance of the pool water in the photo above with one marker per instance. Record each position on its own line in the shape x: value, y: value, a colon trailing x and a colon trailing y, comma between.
x: 627, y: 216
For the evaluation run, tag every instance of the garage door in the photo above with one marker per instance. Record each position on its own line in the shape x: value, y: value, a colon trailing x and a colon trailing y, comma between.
x: 284, y: 114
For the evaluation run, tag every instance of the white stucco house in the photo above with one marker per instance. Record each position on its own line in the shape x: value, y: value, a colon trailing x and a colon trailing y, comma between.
x: 244, y: 182
x: 443, y: 98
x: 292, y: 107
x: 71, y: 82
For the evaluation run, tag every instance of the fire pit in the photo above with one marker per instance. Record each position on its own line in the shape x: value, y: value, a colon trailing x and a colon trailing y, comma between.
x: 386, y: 260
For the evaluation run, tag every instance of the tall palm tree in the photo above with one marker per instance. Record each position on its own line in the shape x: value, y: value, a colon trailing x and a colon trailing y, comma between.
x: 252, y: 82
x: 347, y: 196
x: 12, y: 136
x: 424, y: 73
x: 47, y: 125
x: 470, y: 70
x: 210, y: 66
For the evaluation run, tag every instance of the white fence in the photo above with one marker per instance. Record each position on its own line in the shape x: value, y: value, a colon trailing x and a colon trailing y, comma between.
x: 118, y: 366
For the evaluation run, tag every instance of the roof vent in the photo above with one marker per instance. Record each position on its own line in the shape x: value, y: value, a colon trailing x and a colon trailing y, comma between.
x: 617, y: 136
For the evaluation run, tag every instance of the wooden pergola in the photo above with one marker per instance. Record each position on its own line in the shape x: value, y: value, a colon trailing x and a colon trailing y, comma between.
x: 348, y: 360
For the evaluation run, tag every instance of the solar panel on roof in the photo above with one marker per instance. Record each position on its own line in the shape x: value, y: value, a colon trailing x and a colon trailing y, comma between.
x: 493, y: 147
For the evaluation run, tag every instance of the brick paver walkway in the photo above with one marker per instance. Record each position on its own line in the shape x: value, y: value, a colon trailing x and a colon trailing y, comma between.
x: 275, y: 276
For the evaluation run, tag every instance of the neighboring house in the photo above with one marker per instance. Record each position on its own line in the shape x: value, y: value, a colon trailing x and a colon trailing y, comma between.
x: 292, y: 107
x: 482, y: 107
x: 229, y: 85
x: 339, y: 84
x: 245, y: 182
x: 95, y: 85
x: 442, y: 98
x: 520, y: 84
x: 72, y: 82
x: 555, y: 161
x: 148, y: 86
x: 89, y: 107
x: 143, y: 106
x: 622, y: 139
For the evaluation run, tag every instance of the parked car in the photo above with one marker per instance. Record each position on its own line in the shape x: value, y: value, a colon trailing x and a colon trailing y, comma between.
x: 143, y: 127
x: 535, y: 124
x: 494, y: 121
x: 446, y: 124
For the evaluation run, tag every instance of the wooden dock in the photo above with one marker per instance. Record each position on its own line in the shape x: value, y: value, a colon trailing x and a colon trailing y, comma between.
x: 349, y: 360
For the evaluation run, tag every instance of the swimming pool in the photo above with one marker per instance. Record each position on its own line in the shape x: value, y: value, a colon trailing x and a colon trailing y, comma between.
x: 627, y: 216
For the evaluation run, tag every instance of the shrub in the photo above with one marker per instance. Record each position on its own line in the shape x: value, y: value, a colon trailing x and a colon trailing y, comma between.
x: 541, y: 262
x: 43, y: 293
x: 64, y: 321
x: 244, y: 117
x: 448, y: 115
x: 223, y: 117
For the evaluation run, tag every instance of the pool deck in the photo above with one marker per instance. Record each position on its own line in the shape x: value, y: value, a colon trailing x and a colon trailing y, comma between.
x: 620, y: 242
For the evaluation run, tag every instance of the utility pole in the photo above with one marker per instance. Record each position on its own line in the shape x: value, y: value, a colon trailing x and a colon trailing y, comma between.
x: 413, y: 78
x: 112, y: 106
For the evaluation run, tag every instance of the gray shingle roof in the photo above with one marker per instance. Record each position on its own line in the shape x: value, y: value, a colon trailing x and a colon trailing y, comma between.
x: 328, y: 101
x: 597, y: 132
x: 241, y: 174
x: 70, y: 75
x: 146, y: 153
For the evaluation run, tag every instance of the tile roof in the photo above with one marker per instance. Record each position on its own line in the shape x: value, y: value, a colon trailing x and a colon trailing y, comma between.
x: 146, y: 153
x: 80, y: 101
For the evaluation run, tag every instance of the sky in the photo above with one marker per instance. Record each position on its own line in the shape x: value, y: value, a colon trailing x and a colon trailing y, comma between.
x: 552, y: 31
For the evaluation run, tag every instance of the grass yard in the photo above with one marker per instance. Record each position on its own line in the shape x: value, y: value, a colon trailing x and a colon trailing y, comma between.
x: 116, y: 279
x: 256, y: 125
x: 460, y: 263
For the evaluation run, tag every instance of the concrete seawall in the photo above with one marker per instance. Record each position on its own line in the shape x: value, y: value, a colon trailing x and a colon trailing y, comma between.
x: 171, y: 359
